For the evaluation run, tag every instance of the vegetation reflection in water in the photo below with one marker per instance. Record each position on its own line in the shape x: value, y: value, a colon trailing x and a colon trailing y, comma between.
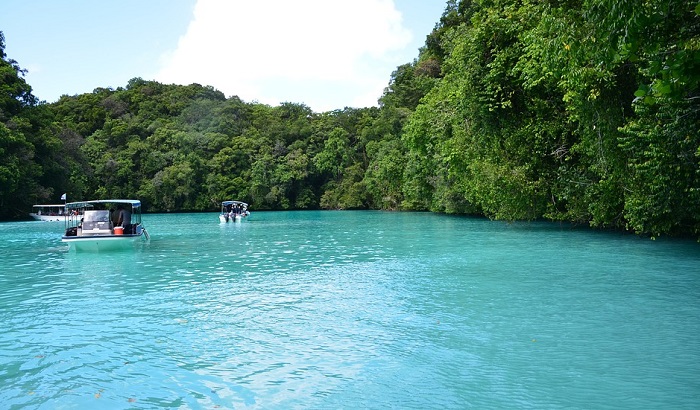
x: 332, y: 309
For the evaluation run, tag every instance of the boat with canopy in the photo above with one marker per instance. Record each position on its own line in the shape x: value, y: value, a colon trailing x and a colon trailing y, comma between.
x: 233, y: 211
x: 104, y: 224
x: 48, y: 212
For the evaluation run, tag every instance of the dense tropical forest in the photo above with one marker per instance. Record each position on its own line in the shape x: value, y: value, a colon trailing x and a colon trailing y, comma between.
x: 569, y: 110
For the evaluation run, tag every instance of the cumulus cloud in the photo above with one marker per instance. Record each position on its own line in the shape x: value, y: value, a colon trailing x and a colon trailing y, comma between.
x: 327, y: 54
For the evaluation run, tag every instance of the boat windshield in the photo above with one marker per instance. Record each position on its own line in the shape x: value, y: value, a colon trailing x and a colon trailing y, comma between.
x: 96, y: 216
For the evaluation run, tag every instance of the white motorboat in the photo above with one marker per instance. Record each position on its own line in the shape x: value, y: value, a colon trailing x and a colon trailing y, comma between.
x: 102, y: 225
x: 48, y: 213
x: 233, y: 211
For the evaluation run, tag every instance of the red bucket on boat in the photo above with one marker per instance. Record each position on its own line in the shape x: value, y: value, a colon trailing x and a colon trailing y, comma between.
x: 118, y: 230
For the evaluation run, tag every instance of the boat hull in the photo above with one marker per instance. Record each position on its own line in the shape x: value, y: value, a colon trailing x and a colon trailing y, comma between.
x: 48, y: 218
x: 101, y: 242
x: 237, y: 218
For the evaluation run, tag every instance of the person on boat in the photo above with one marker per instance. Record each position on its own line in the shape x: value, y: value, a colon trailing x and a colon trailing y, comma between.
x: 113, y: 216
x: 124, y: 218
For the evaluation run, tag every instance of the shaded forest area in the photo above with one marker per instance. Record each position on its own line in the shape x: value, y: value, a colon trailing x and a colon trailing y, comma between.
x: 581, y: 111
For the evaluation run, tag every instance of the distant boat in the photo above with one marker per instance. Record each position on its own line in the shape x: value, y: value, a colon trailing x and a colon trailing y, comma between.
x: 48, y: 213
x: 98, y: 226
x: 233, y: 211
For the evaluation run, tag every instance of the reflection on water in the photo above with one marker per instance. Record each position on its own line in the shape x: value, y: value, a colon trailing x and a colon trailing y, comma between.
x: 324, y: 309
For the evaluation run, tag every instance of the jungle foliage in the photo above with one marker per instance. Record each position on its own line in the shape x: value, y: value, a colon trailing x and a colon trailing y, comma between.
x: 584, y: 111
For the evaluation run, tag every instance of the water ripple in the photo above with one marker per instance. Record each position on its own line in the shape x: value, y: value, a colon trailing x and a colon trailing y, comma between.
x: 320, y: 310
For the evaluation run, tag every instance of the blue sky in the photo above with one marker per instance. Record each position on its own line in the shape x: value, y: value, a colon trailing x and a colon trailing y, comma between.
x: 327, y: 54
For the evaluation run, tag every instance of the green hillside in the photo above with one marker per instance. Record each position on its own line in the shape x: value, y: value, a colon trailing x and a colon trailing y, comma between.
x: 581, y: 111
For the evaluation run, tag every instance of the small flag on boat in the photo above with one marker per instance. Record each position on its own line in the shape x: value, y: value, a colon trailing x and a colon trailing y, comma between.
x: 63, y: 197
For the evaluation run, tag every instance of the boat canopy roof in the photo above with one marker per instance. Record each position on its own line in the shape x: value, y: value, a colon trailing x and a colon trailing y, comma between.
x: 50, y: 206
x: 135, y: 203
x: 225, y: 203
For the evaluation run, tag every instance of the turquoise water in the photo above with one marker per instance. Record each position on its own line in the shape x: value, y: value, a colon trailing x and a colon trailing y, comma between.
x: 333, y: 310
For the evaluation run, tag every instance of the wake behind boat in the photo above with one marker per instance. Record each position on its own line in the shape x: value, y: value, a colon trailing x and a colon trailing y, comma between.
x: 233, y: 211
x: 48, y: 213
x: 103, y: 224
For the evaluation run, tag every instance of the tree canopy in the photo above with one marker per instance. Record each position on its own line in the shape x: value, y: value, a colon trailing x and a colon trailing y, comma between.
x: 584, y: 111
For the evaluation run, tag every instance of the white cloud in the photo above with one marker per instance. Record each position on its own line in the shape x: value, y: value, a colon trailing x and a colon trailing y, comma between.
x: 327, y: 54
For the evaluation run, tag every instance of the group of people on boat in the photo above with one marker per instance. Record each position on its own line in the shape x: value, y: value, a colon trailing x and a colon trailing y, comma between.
x: 235, y: 209
x: 50, y: 213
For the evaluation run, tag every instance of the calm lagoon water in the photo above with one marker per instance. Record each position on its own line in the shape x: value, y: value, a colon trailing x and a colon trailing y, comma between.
x: 348, y: 309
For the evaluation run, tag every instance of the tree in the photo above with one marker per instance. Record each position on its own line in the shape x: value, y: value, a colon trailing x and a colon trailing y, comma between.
x: 20, y: 136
